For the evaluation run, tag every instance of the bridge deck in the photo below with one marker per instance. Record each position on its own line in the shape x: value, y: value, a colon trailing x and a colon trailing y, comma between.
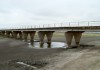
x: 79, y: 28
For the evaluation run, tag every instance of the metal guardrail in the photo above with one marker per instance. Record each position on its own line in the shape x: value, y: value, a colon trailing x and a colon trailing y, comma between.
x: 66, y: 24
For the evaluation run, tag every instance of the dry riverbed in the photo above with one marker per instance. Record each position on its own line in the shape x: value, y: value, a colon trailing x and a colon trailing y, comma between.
x: 15, y: 55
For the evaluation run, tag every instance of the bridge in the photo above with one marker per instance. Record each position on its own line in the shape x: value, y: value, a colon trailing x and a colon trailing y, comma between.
x: 70, y: 31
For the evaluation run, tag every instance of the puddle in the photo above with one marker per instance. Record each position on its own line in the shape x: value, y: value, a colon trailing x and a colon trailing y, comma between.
x: 45, y: 45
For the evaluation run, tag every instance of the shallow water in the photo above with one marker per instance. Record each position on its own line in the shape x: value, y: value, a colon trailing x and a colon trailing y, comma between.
x: 45, y: 45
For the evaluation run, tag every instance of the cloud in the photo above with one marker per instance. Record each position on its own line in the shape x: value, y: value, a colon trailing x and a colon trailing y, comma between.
x: 38, y: 12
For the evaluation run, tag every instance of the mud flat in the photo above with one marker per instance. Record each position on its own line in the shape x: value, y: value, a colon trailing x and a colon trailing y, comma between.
x: 15, y: 55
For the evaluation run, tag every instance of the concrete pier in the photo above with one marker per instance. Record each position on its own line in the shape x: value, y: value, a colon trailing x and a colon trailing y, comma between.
x: 49, y: 35
x: 11, y: 34
x: 8, y: 33
x: 20, y: 35
x: 69, y: 36
x: 77, y: 36
x: 14, y: 34
x: 41, y: 35
x: 3, y: 33
x: 25, y: 35
x: 31, y: 33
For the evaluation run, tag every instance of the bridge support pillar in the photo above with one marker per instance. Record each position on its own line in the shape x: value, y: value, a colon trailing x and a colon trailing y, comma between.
x: 41, y: 35
x: 3, y: 33
x: 8, y: 33
x: 14, y: 34
x: 25, y: 35
x: 77, y: 36
x: 20, y: 35
x: 49, y: 35
x: 11, y: 34
x: 32, y: 34
x: 69, y: 36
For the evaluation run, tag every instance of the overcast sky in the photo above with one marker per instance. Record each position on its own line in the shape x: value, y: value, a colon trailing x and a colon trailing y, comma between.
x: 33, y: 12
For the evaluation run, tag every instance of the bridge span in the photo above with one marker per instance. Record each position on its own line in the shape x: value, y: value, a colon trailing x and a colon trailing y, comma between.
x: 69, y: 31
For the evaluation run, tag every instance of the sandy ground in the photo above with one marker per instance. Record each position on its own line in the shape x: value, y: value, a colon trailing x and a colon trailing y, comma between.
x: 87, y: 57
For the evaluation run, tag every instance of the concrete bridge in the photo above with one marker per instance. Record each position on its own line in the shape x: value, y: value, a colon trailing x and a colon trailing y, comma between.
x: 70, y: 32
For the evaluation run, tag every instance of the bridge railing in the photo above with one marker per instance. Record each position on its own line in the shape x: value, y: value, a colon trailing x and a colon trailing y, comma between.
x: 73, y: 24
x: 66, y: 24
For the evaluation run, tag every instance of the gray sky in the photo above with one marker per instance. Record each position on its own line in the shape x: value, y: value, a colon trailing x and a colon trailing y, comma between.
x: 33, y: 12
